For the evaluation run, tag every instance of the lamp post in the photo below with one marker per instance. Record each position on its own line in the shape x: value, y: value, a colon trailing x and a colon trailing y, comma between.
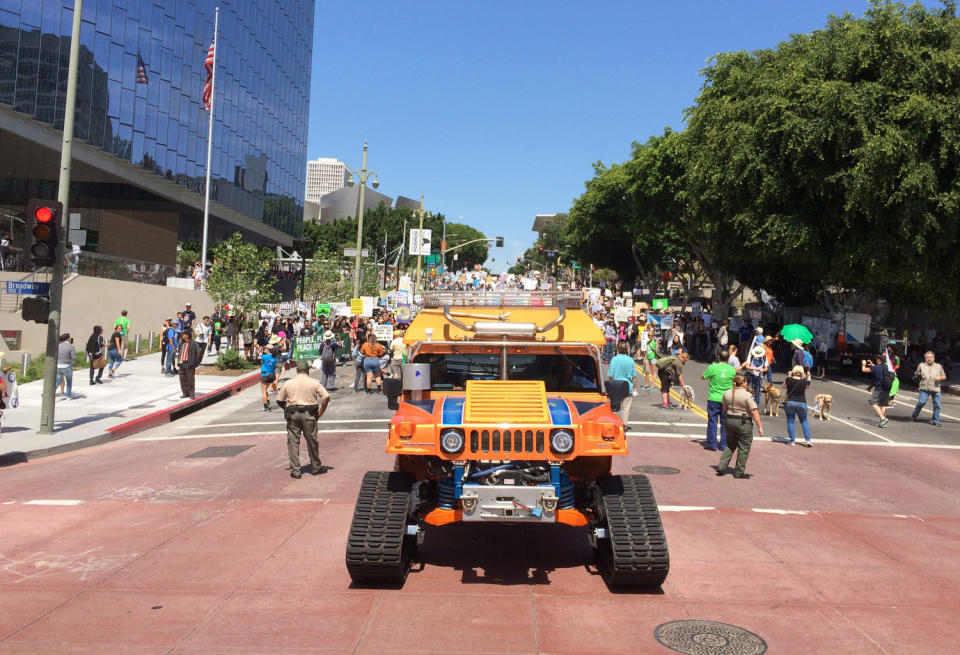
x: 363, y: 174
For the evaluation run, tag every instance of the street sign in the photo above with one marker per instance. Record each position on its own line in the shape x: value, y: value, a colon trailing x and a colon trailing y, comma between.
x: 431, y: 260
x: 352, y: 252
x: 575, y: 266
x: 420, y: 242
x: 660, y: 303
x: 28, y: 288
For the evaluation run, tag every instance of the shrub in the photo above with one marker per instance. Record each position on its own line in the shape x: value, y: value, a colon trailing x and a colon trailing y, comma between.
x: 232, y: 360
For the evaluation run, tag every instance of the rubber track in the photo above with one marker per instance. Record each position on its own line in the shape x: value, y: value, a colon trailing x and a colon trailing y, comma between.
x: 375, y: 546
x: 639, y: 546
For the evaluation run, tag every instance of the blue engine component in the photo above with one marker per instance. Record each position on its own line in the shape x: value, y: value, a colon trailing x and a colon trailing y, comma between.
x: 446, y: 494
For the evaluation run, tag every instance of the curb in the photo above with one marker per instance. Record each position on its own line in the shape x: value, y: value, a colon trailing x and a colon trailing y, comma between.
x: 152, y: 420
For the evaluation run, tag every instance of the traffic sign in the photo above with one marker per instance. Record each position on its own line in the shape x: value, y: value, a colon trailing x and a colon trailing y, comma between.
x: 352, y: 252
x: 28, y: 288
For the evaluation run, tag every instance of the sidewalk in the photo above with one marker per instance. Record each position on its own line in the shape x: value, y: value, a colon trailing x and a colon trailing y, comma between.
x: 137, y: 398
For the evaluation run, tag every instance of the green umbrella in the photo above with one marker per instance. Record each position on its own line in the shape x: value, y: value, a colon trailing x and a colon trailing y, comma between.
x: 796, y: 331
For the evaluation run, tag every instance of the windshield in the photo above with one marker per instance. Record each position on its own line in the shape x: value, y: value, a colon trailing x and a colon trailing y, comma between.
x: 559, y: 372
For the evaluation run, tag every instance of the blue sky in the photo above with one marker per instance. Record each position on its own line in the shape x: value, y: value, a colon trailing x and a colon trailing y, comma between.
x: 496, y: 110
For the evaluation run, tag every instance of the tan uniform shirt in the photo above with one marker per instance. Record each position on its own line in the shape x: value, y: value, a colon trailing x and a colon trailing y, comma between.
x: 303, y: 390
x: 740, y: 404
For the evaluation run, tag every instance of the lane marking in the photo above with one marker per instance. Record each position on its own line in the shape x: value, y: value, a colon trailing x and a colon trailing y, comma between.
x: 262, y: 433
x: 914, y: 398
x: 780, y: 440
x: 298, y: 500
x: 684, y: 508
x: 320, y: 422
x: 800, y: 512
x: 852, y: 425
x: 666, y: 423
x: 54, y: 503
x: 696, y: 409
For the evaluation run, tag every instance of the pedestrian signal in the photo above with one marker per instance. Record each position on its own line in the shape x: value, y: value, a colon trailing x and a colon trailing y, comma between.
x: 499, y: 242
x: 36, y: 309
x: 43, y: 231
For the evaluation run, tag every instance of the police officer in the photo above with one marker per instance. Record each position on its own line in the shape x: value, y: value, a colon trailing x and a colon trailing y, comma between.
x: 304, y: 400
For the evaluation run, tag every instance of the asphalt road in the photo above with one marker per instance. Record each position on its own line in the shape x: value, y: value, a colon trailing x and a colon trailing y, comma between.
x: 192, y: 538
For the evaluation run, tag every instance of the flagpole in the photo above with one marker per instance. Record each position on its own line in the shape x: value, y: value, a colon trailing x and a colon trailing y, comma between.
x: 206, y: 198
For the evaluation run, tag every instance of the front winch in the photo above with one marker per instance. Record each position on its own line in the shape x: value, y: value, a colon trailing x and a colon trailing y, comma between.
x: 505, y: 503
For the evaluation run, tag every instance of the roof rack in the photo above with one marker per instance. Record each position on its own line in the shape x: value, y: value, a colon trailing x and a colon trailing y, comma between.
x: 568, y: 299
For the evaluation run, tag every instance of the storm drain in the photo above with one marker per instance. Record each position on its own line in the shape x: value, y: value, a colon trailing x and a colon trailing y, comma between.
x: 656, y: 470
x: 696, y: 637
x: 219, y: 451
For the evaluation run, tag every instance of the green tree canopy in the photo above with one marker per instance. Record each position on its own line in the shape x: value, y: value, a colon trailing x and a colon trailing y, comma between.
x: 239, y: 277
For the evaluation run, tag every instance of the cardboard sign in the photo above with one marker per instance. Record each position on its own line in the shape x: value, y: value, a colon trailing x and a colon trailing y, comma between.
x: 661, y: 303
x: 622, y: 314
x: 356, y: 306
x: 323, y: 308
x: 307, y: 347
x: 367, y: 307
x: 404, y: 313
x: 339, y: 309
x: 384, y: 333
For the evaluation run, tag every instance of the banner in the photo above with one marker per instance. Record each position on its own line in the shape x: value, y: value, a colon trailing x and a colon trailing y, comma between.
x: 660, y: 303
x: 307, y: 347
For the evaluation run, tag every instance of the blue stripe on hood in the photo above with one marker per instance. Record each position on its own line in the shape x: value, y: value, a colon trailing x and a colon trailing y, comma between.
x: 559, y: 411
x: 452, y: 413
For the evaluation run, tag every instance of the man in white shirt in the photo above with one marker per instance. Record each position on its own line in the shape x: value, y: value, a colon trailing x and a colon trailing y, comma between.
x: 202, y: 331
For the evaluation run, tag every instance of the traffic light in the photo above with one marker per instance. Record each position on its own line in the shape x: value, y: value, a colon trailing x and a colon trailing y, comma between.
x: 499, y: 243
x: 36, y: 309
x: 540, y: 250
x: 43, y: 231
x: 666, y: 276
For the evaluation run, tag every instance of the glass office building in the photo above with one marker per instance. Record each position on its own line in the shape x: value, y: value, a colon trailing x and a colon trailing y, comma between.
x: 140, y: 130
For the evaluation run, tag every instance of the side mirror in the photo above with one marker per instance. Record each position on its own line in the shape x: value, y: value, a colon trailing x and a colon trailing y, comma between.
x: 392, y: 389
x: 617, y: 390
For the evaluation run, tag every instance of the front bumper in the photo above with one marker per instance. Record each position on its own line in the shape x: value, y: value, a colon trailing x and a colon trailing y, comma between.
x: 509, y: 503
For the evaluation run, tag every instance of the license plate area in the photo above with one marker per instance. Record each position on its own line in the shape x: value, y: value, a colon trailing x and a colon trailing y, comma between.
x: 508, y: 503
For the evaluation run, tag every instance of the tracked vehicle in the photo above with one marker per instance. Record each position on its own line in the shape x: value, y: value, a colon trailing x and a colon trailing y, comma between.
x: 503, y: 416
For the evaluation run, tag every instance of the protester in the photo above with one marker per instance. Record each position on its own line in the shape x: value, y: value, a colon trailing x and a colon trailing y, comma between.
x: 821, y: 357
x: 796, y: 406
x: 740, y: 412
x: 66, y: 358
x: 170, y: 347
x: 720, y: 376
x: 723, y: 340
x: 650, y: 358
x: 733, y: 360
x: 188, y: 316
x: 756, y: 367
x: 124, y: 324
x: 189, y: 357
x: 202, y: 332
x: 622, y: 367
x: 610, y: 340
x: 372, y: 352
x: 216, y: 333
x: 304, y: 400
x: 879, y: 397
x: 670, y: 371
x: 931, y: 374
x: 113, y: 351
x: 95, y: 354
x: 328, y: 361
x: 268, y: 374
x: 398, y: 353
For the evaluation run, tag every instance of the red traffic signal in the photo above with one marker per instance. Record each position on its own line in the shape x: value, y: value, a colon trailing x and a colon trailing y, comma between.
x: 666, y: 276
x: 43, y: 231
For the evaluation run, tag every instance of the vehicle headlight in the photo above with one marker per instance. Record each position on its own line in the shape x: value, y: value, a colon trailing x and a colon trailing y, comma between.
x: 451, y: 441
x: 561, y: 441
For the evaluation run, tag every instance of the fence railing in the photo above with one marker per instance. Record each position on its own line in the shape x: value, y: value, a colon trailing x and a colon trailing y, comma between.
x: 119, y: 268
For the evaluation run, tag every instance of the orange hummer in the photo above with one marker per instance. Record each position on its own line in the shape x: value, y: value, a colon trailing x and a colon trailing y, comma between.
x: 503, y: 415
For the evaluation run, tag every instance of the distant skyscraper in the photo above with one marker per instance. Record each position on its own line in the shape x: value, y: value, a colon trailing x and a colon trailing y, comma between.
x: 324, y: 175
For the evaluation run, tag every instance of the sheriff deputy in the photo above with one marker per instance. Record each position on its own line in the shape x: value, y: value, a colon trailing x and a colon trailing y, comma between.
x: 304, y: 400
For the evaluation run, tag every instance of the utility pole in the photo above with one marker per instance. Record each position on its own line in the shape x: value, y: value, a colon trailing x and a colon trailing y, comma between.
x: 416, y: 285
x: 386, y: 253
x: 443, y: 247
x: 63, y: 196
x: 403, y: 243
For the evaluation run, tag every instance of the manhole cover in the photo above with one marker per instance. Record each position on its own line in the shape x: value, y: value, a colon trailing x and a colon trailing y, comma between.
x: 656, y: 470
x: 696, y: 637
x: 220, y: 451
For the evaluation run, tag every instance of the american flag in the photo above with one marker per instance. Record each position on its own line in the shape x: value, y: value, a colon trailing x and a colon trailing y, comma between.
x: 208, y: 85
x: 141, y: 71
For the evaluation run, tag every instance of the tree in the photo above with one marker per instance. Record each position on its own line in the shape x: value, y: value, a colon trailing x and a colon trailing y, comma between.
x: 188, y: 252
x: 239, y: 277
x: 834, y: 159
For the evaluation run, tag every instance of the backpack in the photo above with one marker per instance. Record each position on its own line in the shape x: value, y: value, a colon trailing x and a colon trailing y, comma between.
x: 663, y: 361
x: 807, y: 359
x: 888, y: 378
x: 326, y: 352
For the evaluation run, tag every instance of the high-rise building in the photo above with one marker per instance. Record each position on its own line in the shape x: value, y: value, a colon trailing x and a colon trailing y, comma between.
x: 324, y: 175
x: 140, y: 140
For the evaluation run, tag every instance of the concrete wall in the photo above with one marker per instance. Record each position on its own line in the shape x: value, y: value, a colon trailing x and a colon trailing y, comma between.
x: 89, y: 301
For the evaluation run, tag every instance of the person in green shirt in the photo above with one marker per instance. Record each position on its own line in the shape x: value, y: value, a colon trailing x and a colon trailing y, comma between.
x: 720, y: 378
x: 124, y: 324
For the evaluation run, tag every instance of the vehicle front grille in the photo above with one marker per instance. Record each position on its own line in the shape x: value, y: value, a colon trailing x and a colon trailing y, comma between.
x: 506, y: 442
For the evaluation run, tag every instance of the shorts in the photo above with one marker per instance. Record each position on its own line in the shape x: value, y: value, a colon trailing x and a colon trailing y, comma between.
x: 879, y: 397
x: 371, y: 365
x: 664, y: 381
x: 267, y: 379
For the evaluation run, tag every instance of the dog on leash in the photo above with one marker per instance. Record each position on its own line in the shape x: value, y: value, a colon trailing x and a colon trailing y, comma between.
x: 686, y: 397
x: 771, y: 401
x: 823, y: 401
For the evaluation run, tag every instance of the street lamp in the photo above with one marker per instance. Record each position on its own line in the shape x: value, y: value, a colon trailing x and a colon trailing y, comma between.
x: 364, y: 175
